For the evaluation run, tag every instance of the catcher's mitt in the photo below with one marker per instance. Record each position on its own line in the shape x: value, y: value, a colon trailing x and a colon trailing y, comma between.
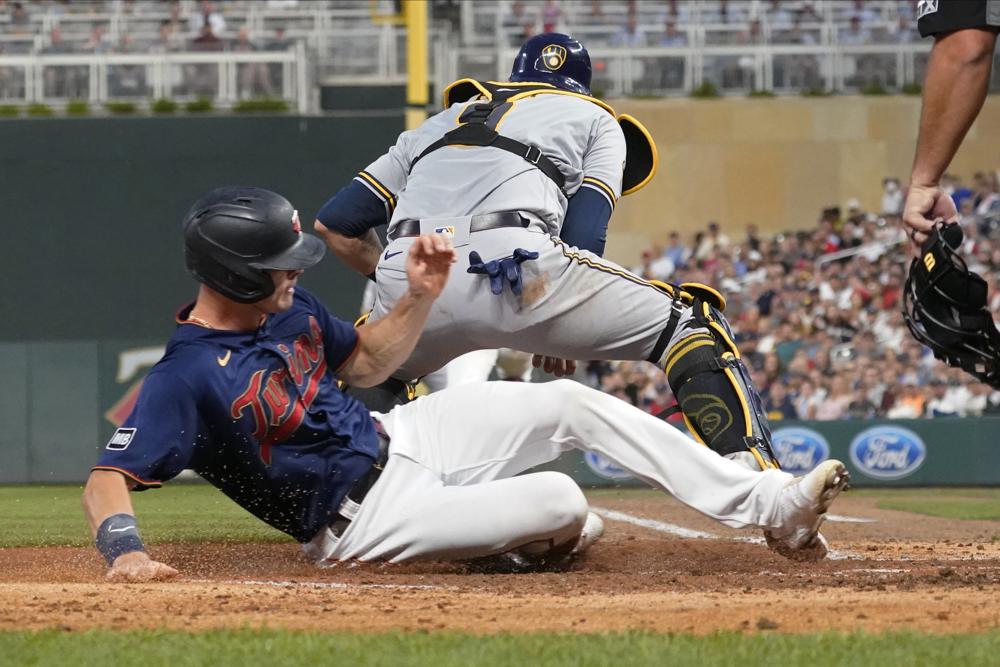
x: 944, y: 305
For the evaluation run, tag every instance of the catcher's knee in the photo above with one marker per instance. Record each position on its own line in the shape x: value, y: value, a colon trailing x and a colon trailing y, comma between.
x: 383, y: 397
x: 714, y: 391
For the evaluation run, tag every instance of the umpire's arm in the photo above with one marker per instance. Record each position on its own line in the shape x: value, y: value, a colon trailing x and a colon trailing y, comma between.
x: 108, y: 508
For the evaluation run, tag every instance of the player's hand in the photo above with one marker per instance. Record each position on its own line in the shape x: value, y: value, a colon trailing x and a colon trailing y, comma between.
x: 428, y: 264
x: 554, y: 365
x: 138, y: 566
x: 924, y: 205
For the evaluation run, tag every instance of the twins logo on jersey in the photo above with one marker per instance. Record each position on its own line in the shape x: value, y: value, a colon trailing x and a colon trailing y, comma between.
x: 276, y: 414
x: 553, y: 56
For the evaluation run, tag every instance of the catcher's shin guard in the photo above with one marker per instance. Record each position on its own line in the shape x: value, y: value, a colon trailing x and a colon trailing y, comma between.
x: 714, y: 391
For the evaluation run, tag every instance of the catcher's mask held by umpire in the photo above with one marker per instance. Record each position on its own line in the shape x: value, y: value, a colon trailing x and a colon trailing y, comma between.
x: 234, y: 234
x: 945, y: 307
x: 554, y: 58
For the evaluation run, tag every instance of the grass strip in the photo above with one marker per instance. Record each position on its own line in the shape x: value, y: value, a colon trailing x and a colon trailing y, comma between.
x: 275, y: 648
x: 37, y: 515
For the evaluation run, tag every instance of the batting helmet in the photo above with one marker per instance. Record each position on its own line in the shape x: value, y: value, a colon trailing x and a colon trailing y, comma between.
x: 233, y: 235
x: 554, y: 58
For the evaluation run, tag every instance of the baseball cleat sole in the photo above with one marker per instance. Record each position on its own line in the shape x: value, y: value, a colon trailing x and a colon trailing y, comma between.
x: 817, y: 490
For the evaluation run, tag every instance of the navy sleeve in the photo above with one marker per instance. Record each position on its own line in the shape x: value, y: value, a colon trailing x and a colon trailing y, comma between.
x: 354, y: 210
x: 157, y: 440
x: 586, y: 223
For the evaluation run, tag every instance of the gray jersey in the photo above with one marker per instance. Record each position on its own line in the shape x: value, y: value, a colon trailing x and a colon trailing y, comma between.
x: 579, y: 135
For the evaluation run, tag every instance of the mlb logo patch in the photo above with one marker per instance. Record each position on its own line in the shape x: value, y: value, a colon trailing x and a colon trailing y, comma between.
x: 121, y: 439
x: 450, y: 231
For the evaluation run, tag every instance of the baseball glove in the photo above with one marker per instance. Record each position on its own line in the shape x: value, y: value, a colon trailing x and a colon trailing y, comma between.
x: 944, y: 305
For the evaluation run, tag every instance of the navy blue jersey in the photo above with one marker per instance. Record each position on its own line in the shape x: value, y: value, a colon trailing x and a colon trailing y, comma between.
x: 258, y: 414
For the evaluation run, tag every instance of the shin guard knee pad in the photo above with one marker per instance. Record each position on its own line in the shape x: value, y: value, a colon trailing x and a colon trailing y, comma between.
x: 717, y: 398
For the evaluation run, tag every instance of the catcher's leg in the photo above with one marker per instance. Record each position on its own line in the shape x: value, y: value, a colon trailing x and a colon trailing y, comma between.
x: 714, y: 391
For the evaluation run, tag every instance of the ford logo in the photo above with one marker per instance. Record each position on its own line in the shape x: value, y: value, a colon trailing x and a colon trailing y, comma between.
x: 799, y: 450
x: 602, y: 467
x: 887, y: 452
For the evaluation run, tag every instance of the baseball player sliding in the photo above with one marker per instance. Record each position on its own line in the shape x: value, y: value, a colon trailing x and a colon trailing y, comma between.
x: 523, y: 175
x: 247, y: 396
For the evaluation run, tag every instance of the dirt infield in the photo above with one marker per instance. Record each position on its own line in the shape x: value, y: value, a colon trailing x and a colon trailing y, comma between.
x: 894, y: 571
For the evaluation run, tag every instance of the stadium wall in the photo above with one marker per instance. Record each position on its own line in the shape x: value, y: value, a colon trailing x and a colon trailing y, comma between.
x: 775, y: 161
x: 92, y: 209
x: 950, y: 451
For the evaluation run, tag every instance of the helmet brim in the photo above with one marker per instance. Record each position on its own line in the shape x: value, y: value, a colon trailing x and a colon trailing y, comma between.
x: 306, y: 252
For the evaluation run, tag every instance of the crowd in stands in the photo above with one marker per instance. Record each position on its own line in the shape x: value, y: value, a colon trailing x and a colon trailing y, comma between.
x: 817, y: 313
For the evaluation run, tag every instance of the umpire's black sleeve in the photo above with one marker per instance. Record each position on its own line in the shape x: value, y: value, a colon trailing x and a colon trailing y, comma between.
x: 935, y: 17
x: 353, y: 211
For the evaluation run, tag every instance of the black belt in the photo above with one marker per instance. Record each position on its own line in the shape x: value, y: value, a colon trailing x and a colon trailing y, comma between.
x: 478, y: 223
x: 364, y: 484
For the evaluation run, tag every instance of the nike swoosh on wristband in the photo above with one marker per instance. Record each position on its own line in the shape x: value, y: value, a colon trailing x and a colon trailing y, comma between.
x: 391, y: 254
x: 120, y: 530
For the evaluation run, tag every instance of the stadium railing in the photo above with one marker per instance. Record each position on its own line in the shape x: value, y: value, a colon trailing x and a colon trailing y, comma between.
x: 225, y: 78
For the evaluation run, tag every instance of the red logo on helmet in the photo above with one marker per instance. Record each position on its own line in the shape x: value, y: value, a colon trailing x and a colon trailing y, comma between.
x: 296, y: 225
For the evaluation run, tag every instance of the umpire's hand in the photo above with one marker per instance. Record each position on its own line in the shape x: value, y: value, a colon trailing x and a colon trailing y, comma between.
x: 138, y: 566
x: 428, y: 264
x: 924, y: 205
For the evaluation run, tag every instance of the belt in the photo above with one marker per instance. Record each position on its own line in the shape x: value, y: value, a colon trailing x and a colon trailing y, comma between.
x: 478, y: 223
x: 351, y: 503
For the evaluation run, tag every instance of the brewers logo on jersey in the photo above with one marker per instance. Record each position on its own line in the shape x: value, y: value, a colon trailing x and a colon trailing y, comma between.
x: 553, y: 57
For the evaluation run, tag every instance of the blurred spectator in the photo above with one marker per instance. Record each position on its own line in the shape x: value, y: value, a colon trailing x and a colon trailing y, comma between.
x: 206, y: 15
x: 551, y: 15
x: 166, y: 40
x: 20, y: 21
x: 892, y: 197
x: 629, y: 35
x: 126, y: 80
x: 519, y: 20
x: 856, y: 33
x: 711, y: 243
x: 778, y: 14
x: 672, y: 36
x: 828, y: 336
x: 66, y: 81
x: 280, y: 42
x: 97, y: 42
x: 952, y: 185
x: 778, y: 404
x: 253, y: 79
x: 207, y: 40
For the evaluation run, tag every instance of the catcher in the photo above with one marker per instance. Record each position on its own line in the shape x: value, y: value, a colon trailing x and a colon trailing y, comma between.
x: 524, y: 176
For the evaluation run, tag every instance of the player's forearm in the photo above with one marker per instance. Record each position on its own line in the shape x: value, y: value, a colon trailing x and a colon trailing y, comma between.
x: 105, y: 494
x: 360, y: 253
x: 384, y: 345
x: 954, y: 90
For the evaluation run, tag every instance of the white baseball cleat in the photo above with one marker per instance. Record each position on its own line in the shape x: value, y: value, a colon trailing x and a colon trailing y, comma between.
x: 804, y: 504
x: 593, y: 528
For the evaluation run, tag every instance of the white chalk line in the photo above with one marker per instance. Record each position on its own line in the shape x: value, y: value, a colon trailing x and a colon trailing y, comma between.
x: 840, y: 518
x: 318, y: 584
x: 688, y: 533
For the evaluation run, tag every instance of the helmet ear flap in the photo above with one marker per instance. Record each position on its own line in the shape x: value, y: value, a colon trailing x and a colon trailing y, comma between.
x: 241, y: 284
